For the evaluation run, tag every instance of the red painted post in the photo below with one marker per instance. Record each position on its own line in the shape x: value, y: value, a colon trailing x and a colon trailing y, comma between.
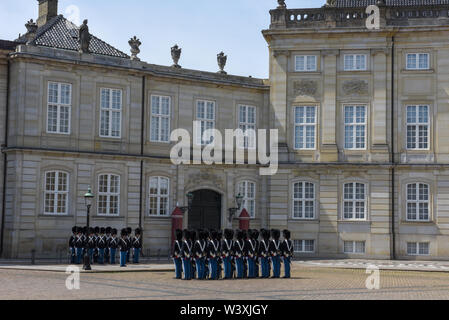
x: 176, y: 223
x: 244, y: 220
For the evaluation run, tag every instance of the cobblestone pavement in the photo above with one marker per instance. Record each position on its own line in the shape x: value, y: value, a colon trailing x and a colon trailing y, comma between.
x: 307, y: 283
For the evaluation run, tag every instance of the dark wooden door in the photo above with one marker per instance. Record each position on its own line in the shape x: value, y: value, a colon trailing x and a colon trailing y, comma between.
x: 205, y: 212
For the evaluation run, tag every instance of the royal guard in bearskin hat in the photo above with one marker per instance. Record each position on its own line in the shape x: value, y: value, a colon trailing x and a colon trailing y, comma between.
x: 256, y: 260
x: 193, y: 239
x: 123, y: 245
x: 213, y: 253
x: 72, y: 250
x: 239, y: 253
x: 199, y: 252
x: 95, y: 251
x: 79, y: 245
x: 264, y: 253
x: 220, y: 256
x: 275, y: 252
x: 176, y: 254
x: 101, y: 245
x: 106, y: 250
x: 137, y: 245
x: 287, y: 253
x: 251, y: 250
x: 91, y: 243
x: 113, y: 243
x: 206, y: 238
x: 187, y: 255
x: 129, y: 240
x: 227, y: 252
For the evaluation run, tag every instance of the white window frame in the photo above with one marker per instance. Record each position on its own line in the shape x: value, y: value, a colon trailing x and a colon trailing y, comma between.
x: 354, y: 247
x: 353, y: 67
x: 417, y: 248
x: 243, y: 189
x: 158, y: 197
x: 303, y: 200
x: 249, y: 142
x: 58, y: 106
x: 304, y: 125
x: 355, y: 201
x: 57, y: 193
x: 159, y: 116
x: 417, y: 56
x: 418, y: 201
x: 111, y: 110
x: 204, y: 120
x: 416, y: 125
x: 302, y: 245
x: 354, y: 124
x: 108, y: 194
x: 305, y: 67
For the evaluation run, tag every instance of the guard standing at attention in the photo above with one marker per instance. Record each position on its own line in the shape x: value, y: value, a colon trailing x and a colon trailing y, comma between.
x: 129, y: 242
x: 137, y: 245
x: 113, y: 245
x: 264, y: 253
x: 213, y: 252
x: 101, y: 245
x: 123, y: 244
x: 72, y: 246
x: 250, y: 246
x: 275, y: 252
x: 227, y: 252
x: 79, y: 245
x: 199, y: 250
x: 106, y: 250
x: 287, y: 253
x: 239, y: 253
x: 176, y: 254
x: 186, y: 255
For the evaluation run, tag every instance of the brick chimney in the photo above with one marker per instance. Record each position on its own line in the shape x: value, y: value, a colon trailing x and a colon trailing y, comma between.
x: 47, y: 10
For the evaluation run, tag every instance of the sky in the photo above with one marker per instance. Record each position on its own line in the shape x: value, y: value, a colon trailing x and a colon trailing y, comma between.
x: 201, y: 28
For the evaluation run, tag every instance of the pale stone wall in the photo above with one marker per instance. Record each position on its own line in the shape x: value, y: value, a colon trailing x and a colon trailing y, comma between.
x: 3, y: 91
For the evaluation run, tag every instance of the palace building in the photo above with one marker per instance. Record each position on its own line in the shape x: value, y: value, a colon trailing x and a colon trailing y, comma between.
x: 361, y: 114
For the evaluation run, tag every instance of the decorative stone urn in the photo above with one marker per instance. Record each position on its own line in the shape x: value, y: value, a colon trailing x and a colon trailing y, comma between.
x: 222, y: 59
x: 176, y: 55
x: 31, y: 30
x: 134, y: 43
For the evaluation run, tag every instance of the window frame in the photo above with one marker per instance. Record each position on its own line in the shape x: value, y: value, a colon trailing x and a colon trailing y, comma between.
x: 354, y: 63
x: 306, y: 60
x: 305, y: 125
x: 303, y: 245
x: 417, y: 54
x: 417, y: 202
x: 354, y: 125
x: 417, y: 246
x: 304, y: 199
x: 58, y: 106
x: 108, y: 195
x: 354, y: 201
x: 354, y: 246
x: 160, y: 116
x: 199, y: 141
x: 111, y: 110
x: 416, y: 126
x: 246, y: 124
x: 57, y: 192
x: 245, y: 198
x: 158, y: 197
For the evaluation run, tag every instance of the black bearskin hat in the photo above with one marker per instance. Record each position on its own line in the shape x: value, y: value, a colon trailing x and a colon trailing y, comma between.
x: 108, y: 230
x: 192, y: 235
x: 178, y: 234
x: 124, y: 232
x: 228, y: 234
x: 275, y: 234
x: 97, y: 229
x: 91, y: 230
x: 214, y: 234
x: 114, y: 232
x: 265, y: 234
x: 129, y: 230
x: 245, y: 234
x: 186, y: 234
x: 255, y: 234
x: 74, y: 229
x: 220, y: 235
x: 286, y: 234
x: 205, y: 234
x: 102, y: 230
x: 239, y: 234
x: 137, y: 231
x: 199, y: 234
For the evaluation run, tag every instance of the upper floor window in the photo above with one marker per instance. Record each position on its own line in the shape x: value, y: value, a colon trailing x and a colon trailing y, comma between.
x: 59, y: 107
x: 303, y: 200
x: 305, y: 127
x: 355, y: 127
x: 305, y: 63
x: 418, y: 127
x: 304, y: 246
x: 56, y: 192
x: 160, y: 119
x: 418, y: 202
x: 248, y: 190
x: 205, y: 115
x: 354, y: 62
x: 159, y: 194
x: 418, y: 61
x: 111, y: 113
x: 108, y: 194
x: 247, y: 123
x: 354, y: 201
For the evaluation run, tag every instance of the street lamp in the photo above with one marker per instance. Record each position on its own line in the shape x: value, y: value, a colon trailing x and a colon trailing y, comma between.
x: 88, y: 197
x: 232, y: 211
x: 189, y: 202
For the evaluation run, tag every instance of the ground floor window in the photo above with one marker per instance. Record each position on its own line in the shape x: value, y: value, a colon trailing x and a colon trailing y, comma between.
x: 417, y: 248
x: 354, y: 247
x: 304, y: 246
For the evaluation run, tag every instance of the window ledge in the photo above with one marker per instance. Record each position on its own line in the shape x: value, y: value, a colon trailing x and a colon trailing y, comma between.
x: 98, y: 217
x: 303, y: 220
x: 52, y: 216
x: 418, y: 71
x: 418, y: 223
x: 147, y: 217
x: 309, y: 73
x: 355, y: 221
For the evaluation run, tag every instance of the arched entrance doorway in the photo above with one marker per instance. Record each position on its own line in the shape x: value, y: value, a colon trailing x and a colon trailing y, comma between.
x: 205, y: 212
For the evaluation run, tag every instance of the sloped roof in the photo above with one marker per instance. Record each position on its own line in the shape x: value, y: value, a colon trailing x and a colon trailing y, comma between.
x: 391, y: 3
x: 7, y: 45
x: 63, y: 34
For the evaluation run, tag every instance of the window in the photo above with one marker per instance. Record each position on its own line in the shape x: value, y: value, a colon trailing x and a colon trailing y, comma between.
x: 355, y: 127
x: 417, y: 248
x: 205, y: 114
x: 303, y: 200
x: 160, y: 119
x: 59, y: 107
x: 108, y: 194
x: 159, y: 193
x: 354, y: 203
x: 304, y: 246
x: 305, y: 63
x: 354, y: 247
x: 418, y: 202
x: 418, y: 61
x: 354, y: 62
x: 418, y: 127
x: 305, y: 127
x: 248, y: 190
x: 56, y: 192
x: 111, y: 113
x: 247, y: 123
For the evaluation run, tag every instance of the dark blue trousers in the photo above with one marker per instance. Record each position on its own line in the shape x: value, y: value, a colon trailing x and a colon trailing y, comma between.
x: 79, y: 255
x: 227, y: 267
x: 178, y: 267
x: 187, y: 268
x: 239, y: 267
x: 213, y: 269
x: 122, y: 258
x: 136, y: 255
x: 251, y: 268
x: 91, y: 255
x: 72, y: 255
x: 287, y: 263
x: 265, y: 266
x: 200, y: 268
x: 276, y: 266
x: 112, y: 252
x: 101, y: 256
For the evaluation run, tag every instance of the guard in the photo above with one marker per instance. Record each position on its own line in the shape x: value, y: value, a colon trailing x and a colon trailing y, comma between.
x: 227, y: 253
x: 176, y: 255
x: 264, y: 253
x: 275, y: 252
x: 287, y: 253
x: 186, y: 255
x: 123, y: 244
x: 113, y: 245
x: 137, y: 245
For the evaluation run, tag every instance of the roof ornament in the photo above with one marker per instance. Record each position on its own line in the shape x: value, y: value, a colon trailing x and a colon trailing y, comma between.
x: 282, y: 4
x: 222, y: 59
x: 176, y: 55
x: 84, y: 37
x: 134, y: 43
x: 331, y: 3
x: 31, y: 30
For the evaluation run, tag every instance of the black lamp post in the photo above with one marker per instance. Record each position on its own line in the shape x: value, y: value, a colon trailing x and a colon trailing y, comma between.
x: 189, y: 202
x: 232, y: 211
x: 88, y: 197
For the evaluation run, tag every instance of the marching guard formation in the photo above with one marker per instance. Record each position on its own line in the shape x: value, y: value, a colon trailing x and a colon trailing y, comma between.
x: 102, y: 245
x: 212, y: 255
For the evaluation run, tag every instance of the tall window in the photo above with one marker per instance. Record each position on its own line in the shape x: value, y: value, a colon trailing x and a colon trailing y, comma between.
x: 108, y: 194
x: 418, y: 127
x: 418, y: 202
x: 304, y: 246
x: 56, y: 192
x: 418, y: 61
x: 247, y: 123
x: 354, y: 247
x: 111, y: 113
x: 355, y: 62
x: 305, y: 127
x: 354, y: 203
x: 59, y: 107
x: 160, y: 119
x: 159, y: 194
x: 205, y: 114
x: 304, y: 200
x: 248, y: 190
x: 355, y: 127
x: 305, y: 63
x: 417, y: 248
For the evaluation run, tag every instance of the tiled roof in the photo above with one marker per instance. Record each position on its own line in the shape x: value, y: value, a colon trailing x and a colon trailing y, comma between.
x: 7, y: 45
x: 63, y: 34
x: 391, y: 3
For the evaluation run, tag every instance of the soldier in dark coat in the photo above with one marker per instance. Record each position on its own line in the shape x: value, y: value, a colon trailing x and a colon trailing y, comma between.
x: 275, y: 252
x: 91, y: 243
x: 264, y: 253
x: 106, y: 250
x: 199, y: 252
x: 123, y: 245
x: 220, y: 257
x: 287, y: 253
x: 113, y: 245
x: 251, y: 250
x: 256, y: 259
x: 79, y: 245
x: 176, y: 254
x: 227, y: 252
x: 213, y: 252
x: 72, y: 246
x: 129, y: 240
x: 239, y: 253
x: 186, y: 254
x: 193, y: 239
x: 101, y: 245
x: 137, y: 245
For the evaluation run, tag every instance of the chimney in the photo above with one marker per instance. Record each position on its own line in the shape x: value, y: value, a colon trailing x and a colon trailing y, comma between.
x: 47, y: 10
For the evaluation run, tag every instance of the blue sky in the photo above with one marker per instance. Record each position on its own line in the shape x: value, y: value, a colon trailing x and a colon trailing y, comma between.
x: 202, y: 28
